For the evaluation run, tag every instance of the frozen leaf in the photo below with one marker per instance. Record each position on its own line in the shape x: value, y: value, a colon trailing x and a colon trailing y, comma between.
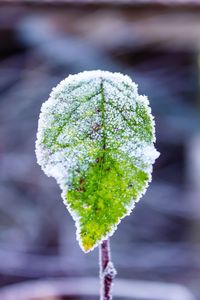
x: 96, y: 138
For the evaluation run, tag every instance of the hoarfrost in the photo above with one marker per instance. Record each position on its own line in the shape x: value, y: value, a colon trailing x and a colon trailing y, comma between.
x: 70, y: 130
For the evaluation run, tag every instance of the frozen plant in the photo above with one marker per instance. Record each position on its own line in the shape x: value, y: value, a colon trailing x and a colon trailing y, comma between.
x: 96, y: 138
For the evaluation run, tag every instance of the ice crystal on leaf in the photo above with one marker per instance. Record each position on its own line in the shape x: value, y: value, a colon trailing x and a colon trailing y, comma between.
x: 96, y: 138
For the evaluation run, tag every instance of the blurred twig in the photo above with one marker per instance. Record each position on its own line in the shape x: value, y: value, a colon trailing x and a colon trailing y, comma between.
x: 112, y: 2
x: 89, y: 287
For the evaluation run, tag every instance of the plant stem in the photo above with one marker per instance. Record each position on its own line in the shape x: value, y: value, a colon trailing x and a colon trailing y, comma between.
x: 107, y: 270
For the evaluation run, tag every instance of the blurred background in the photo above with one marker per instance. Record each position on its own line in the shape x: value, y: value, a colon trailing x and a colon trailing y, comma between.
x: 158, y: 45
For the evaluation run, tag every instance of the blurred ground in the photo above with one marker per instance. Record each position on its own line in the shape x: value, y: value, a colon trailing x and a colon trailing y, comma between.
x: 159, y: 49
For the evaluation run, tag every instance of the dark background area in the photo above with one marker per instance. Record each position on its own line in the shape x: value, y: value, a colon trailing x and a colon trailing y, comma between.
x: 159, y: 47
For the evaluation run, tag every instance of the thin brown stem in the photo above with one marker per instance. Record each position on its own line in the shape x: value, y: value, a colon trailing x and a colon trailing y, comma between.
x: 107, y: 270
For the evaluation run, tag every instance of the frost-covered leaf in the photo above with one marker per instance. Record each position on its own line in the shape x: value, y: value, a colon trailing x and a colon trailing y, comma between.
x: 96, y: 138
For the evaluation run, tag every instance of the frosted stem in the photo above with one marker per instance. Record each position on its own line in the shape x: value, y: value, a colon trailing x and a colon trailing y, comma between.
x: 107, y: 270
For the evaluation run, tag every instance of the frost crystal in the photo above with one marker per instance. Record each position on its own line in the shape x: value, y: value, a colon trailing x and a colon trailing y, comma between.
x: 96, y: 138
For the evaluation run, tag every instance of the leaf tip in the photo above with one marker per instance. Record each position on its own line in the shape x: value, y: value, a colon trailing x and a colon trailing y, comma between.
x: 87, y: 244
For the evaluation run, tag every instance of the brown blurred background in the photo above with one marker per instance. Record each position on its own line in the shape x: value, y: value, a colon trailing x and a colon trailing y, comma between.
x: 158, y: 45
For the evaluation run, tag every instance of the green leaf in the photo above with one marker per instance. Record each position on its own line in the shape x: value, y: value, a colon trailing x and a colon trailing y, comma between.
x: 96, y: 138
